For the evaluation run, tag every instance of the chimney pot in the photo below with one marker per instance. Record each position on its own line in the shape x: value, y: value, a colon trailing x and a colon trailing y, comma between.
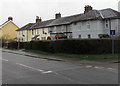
x: 38, y: 19
x: 57, y: 15
x: 10, y: 19
x: 87, y: 8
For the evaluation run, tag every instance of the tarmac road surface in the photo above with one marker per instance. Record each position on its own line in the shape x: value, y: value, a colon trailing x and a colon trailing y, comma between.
x: 19, y: 69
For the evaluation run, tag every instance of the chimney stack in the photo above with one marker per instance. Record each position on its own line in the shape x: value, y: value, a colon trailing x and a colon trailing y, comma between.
x: 57, y: 15
x: 88, y: 8
x: 10, y: 19
x: 38, y: 19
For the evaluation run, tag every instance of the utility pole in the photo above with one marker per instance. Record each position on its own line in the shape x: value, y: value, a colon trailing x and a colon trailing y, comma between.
x: 18, y: 43
x: 112, y: 45
x: 112, y: 33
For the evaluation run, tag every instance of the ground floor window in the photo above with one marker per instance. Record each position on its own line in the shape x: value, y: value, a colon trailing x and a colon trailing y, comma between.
x: 43, y: 38
x: 79, y: 36
x: 89, y: 36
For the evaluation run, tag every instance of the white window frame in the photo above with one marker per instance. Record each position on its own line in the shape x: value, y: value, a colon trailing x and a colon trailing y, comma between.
x: 89, y: 36
x: 107, y: 24
x: 79, y: 36
x: 32, y: 32
x: 88, y: 25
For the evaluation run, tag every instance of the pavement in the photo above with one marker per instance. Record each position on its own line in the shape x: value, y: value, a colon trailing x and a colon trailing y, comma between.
x: 57, y: 58
x: 21, y: 52
x: 99, y: 62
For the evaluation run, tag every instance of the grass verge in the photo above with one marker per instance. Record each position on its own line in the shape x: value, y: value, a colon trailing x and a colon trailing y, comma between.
x: 100, y: 56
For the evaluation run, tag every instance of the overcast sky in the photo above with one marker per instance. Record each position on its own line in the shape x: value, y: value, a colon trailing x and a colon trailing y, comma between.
x: 25, y: 11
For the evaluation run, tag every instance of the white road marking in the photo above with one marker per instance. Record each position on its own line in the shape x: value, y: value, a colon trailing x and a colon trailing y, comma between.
x: 30, y: 67
x: 111, y: 69
x: 47, y: 72
x: 102, y: 68
x: 88, y: 66
x: 4, y: 59
x: 42, y: 71
x: 99, y: 67
x: 96, y: 67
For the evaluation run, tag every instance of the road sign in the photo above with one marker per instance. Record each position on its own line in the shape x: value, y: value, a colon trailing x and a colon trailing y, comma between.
x: 112, y: 32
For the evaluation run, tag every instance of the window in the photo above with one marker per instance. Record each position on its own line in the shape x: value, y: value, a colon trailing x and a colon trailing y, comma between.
x: 79, y: 28
x: 51, y: 29
x: 43, y: 38
x: 70, y: 36
x: 37, y: 31
x: 19, y: 32
x: 32, y: 32
x: 89, y: 36
x: 79, y: 36
x: 62, y: 29
x: 106, y: 21
x: 106, y: 24
x: 83, y: 23
x: 88, y: 25
x: 22, y: 33
x: 55, y: 29
x: 43, y: 31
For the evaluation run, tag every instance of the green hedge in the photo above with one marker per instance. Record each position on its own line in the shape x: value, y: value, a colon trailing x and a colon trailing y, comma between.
x: 14, y: 45
x: 84, y: 46
x: 73, y: 46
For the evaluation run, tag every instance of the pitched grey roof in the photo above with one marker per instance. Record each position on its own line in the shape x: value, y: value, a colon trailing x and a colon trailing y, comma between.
x: 42, y: 24
x: 35, y: 25
x: 64, y: 20
x: 28, y: 26
x: 91, y: 15
x: 110, y: 13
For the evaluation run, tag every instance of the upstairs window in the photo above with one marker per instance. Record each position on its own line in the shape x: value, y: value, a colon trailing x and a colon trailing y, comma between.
x: 35, y: 32
x: 106, y: 24
x: 19, y: 32
x: 79, y: 28
x: 88, y: 25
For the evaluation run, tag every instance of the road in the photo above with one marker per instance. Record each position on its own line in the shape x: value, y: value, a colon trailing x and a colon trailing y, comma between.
x: 19, y: 69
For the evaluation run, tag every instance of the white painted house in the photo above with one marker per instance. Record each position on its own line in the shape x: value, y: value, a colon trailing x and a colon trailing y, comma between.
x: 96, y: 23
x: 90, y: 24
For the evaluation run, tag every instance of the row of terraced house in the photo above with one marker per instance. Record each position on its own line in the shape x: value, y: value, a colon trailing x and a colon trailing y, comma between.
x: 90, y: 24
